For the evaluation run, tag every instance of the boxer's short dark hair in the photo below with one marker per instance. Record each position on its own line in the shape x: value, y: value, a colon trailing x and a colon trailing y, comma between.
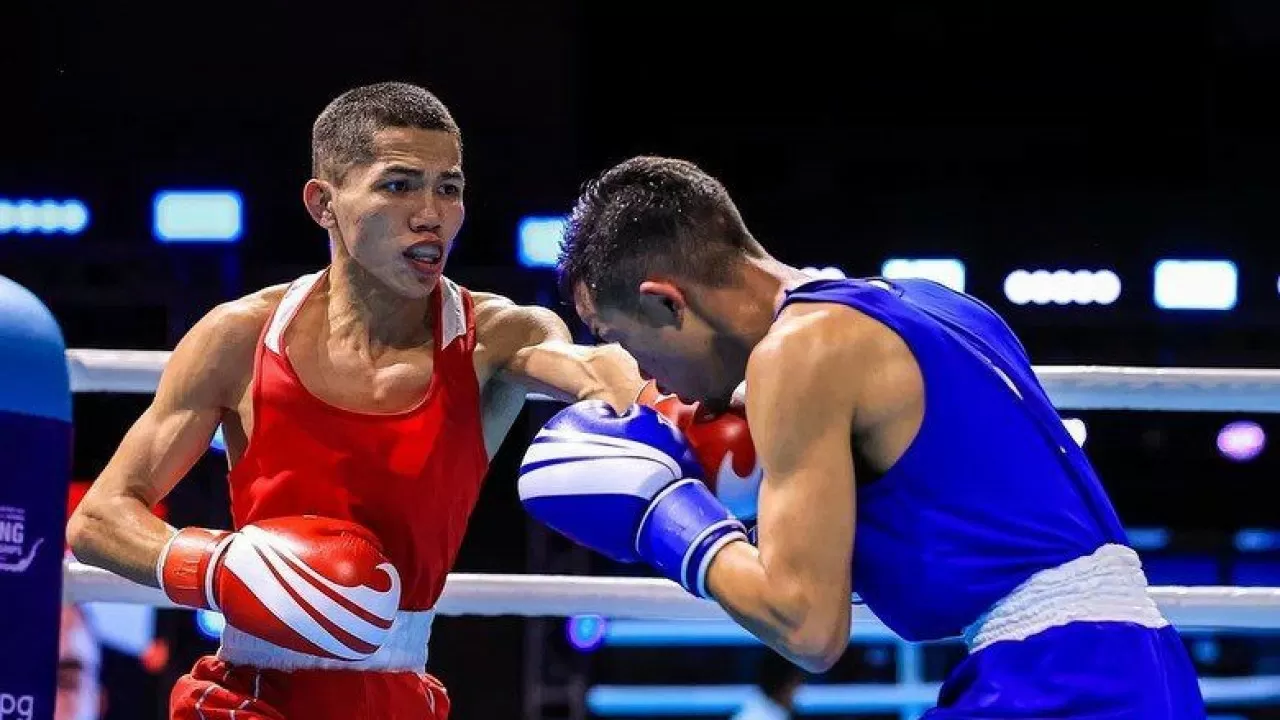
x: 650, y: 216
x: 342, y: 135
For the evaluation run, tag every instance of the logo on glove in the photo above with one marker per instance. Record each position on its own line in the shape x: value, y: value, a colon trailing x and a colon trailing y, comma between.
x: 347, y: 620
x: 739, y: 493
x: 314, y: 585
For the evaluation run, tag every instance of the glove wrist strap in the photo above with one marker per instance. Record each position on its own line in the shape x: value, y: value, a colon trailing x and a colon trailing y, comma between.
x: 186, y: 564
x: 698, y: 561
x: 683, y: 528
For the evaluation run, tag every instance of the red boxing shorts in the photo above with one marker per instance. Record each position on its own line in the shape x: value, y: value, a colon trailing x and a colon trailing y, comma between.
x: 214, y: 688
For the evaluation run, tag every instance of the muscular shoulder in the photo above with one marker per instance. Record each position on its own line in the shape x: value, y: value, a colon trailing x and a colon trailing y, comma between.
x: 215, y: 357
x: 807, y: 343
x: 825, y: 353
x: 823, y: 333
x: 500, y: 321
x: 240, y: 321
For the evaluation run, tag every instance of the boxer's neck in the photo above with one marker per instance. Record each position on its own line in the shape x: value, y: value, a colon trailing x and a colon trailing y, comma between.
x: 366, y: 315
x: 762, y: 286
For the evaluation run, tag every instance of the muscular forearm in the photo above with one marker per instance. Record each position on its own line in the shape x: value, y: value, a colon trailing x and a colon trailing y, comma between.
x: 119, y: 534
x: 571, y: 373
x: 781, y: 613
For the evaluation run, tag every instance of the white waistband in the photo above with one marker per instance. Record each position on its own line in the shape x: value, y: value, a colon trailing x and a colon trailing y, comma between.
x: 1107, y: 586
x: 404, y: 649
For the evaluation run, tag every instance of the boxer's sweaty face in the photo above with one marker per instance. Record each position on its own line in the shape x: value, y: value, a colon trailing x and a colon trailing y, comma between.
x: 398, y: 216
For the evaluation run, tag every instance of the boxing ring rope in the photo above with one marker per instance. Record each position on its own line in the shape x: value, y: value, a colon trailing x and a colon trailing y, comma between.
x: 1070, y: 387
x: 528, y: 595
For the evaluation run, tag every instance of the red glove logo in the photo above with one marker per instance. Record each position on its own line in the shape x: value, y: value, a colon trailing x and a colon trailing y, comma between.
x: 346, y: 619
x: 329, y: 589
x: 315, y: 585
x: 739, y: 491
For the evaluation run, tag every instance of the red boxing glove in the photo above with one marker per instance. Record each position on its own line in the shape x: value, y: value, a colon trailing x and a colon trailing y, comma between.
x: 315, y: 585
x: 721, y: 443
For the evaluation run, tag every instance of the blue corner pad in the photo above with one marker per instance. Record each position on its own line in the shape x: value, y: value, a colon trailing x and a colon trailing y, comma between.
x: 33, y: 360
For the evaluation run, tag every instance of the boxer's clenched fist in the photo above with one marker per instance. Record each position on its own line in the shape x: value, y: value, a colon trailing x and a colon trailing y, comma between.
x: 315, y: 585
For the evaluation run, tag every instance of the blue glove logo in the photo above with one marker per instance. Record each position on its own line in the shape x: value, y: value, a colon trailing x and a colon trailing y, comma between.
x: 590, y: 473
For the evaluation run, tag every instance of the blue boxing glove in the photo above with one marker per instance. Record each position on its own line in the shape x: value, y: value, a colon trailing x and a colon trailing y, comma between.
x: 628, y: 487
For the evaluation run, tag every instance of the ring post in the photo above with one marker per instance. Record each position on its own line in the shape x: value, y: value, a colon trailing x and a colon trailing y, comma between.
x: 35, y: 467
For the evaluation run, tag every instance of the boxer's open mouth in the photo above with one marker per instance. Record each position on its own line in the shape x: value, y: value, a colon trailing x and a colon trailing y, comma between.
x: 425, y: 252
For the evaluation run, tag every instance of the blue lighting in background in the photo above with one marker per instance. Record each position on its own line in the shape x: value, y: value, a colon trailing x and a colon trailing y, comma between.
x: 1257, y: 540
x: 586, y: 632
x: 1195, y: 284
x: 1148, y: 539
x: 43, y: 217
x: 206, y: 216
x: 210, y: 623
x: 946, y: 271
x: 538, y: 241
x: 1206, y: 651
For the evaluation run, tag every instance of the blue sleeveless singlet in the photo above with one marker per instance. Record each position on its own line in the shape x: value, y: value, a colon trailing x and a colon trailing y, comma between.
x: 991, y: 490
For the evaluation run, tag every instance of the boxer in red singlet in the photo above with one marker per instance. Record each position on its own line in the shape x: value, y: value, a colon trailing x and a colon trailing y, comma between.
x: 372, y: 394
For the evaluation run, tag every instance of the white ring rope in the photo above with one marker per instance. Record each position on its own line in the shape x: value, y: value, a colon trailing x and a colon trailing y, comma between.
x: 658, y: 599
x: 1072, y: 387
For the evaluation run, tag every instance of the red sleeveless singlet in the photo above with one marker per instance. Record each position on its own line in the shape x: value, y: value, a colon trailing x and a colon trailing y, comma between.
x: 413, y: 477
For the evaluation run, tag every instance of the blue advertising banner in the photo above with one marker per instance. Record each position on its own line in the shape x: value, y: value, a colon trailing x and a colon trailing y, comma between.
x: 35, y: 467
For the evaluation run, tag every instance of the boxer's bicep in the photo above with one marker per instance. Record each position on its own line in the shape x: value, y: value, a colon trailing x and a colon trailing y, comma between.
x: 113, y: 526
x: 176, y: 428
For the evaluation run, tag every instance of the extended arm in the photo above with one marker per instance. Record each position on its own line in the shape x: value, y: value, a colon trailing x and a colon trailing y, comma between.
x: 114, y: 526
x: 531, y: 347
x: 794, y: 591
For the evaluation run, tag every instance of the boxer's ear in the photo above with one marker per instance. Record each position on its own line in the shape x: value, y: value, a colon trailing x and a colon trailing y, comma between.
x: 661, y: 303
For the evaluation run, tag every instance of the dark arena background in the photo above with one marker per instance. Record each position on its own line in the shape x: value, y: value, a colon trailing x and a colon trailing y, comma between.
x: 1104, y: 175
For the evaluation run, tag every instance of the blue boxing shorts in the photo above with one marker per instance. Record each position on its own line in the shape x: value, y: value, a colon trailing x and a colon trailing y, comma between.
x: 1083, y: 640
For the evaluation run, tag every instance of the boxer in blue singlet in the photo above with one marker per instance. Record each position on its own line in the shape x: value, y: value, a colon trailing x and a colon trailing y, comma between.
x: 908, y: 453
